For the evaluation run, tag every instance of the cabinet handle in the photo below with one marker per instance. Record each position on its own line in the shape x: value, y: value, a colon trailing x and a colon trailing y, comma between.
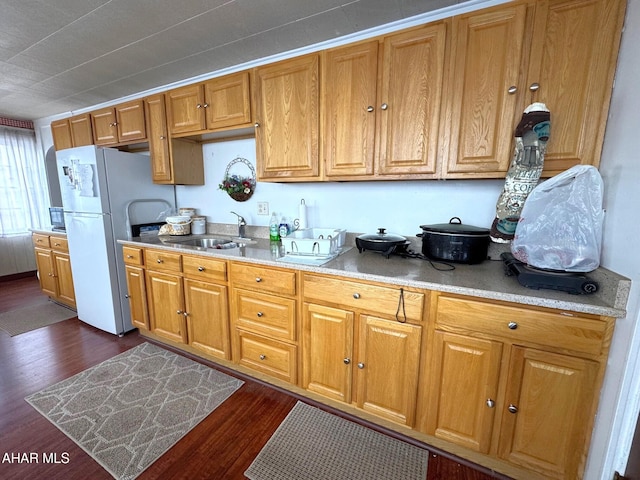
x: 360, y: 365
x: 534, y: 87
x: 262, y: 356
x: 512, y: 89
x: 512, y: 408
x: 370, y: 108
x: 260, y: 314
x: 159, y: 260
x: 201, y: 269
x: 256, y: 124
x: 347, y: 361
x: 384, y: 106
x: 490, y: 403
x: 129, y: 256
x: 356, y: 296
x: 258, y: 279
x: 162, y: 137
x: 56, y: 244
x: 512, y: 325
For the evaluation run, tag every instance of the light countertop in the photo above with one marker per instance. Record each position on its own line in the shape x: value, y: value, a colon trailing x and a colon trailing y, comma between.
x: 485, y: 280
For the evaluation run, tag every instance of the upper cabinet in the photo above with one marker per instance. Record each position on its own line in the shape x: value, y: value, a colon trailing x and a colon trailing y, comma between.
x: 218, y: 104
x: 381, y: 105
x: 72, y: 132
x: 123, y: 123
x: 559, y: 52
x: 61, y: 131
x: 288, y: 119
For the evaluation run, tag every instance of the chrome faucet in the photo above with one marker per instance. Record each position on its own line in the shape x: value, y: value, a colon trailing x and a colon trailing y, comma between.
x: 241, y: 224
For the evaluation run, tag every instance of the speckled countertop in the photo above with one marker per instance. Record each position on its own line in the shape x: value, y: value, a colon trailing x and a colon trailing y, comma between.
x: 485, y: 280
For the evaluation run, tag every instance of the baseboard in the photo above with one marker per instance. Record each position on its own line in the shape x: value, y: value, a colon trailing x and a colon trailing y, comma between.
x: 17, y: 276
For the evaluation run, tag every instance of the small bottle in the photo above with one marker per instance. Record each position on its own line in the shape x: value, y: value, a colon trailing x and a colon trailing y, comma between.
x: 283, y: 230
x: 273, y: 228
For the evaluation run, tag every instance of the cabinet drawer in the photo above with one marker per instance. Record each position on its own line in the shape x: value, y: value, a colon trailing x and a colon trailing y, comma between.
x: 372, y: 298
x: 522, y: 324
x: 59, y: 244
x: 204, y: 268
x: 267, y: 356
x: 133, y: 256
x: 265, y: 314
x: 40, y: 240
x: 163, y: 261
x: 264, y: 278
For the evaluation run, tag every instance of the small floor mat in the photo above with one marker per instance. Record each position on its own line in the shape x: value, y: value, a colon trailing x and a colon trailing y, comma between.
x: 32, y: 317
x: 311, y: 444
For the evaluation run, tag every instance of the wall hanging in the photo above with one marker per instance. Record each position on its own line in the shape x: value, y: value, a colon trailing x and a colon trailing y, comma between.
x: 239, y: 187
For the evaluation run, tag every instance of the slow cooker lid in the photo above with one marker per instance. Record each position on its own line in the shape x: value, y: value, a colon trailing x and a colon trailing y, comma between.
x: 456, y: 227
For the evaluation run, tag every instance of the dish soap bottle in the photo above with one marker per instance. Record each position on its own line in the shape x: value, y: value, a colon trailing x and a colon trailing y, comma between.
x: 284, y: 228
x: 273, y: 228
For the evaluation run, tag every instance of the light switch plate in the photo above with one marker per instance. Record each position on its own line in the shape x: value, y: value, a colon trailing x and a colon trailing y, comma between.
x: 263, y: 208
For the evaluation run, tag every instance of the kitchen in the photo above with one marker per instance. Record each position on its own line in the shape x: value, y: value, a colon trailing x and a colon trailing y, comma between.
x: 349, y: 205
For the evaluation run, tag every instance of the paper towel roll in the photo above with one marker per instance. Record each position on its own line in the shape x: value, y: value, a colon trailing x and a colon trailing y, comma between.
x: 302, y: 214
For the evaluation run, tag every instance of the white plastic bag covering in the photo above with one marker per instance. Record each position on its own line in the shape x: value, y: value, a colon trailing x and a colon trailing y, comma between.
x: 560, y: 227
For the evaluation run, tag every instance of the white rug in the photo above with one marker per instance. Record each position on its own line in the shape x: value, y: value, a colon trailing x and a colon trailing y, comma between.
x: 32, y: 317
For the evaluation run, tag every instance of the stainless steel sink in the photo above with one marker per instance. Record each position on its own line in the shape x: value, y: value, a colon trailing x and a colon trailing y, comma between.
x: 204, y: 242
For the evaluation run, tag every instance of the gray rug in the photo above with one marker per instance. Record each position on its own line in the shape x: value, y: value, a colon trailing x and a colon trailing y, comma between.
x: 129, y: 410
x: 32, y: 317
x: 311, y: 444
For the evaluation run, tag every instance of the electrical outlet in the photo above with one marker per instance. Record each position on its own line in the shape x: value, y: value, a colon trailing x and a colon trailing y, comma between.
x: 263, y: 208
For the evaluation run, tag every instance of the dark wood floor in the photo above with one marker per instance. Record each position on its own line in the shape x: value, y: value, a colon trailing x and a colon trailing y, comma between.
x: 220, y: 447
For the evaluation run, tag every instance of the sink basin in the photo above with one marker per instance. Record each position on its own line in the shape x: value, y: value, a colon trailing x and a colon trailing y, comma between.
x: 203, y: 242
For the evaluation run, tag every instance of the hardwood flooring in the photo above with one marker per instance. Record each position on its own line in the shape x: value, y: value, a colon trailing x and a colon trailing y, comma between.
x: 221, y: 447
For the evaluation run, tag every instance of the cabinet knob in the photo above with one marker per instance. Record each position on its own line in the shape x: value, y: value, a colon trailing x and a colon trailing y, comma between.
x: 384, y: 106
x: 490, y: 403
x: 256, y: 124
x: 258, y: 279
x: 512, y: 325
x: 360, y: 365
x: 198, y: 105
x: 129, y: 256
x: 206, y: 105
x: 259, y: 314
x: 356, y: 296
x: 127, y: 296
x: 162, y: 137
x: 512, y: 408
x: 262, y: 356
x: 534, y: 87
x: 179, y: 312
x: 512, y: 89
x: 347, y: 361
x: 201, y: 269
x: 186, y: 314
x: 159, y: 260
x: 370, y: 108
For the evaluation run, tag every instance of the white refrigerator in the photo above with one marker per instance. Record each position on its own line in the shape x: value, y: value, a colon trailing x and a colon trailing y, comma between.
x: 105, y: 191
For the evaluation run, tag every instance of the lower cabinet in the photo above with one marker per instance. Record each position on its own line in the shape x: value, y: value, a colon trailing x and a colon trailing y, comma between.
x: 54, y: 268
x: 357, y: 356
x: 517, y: 384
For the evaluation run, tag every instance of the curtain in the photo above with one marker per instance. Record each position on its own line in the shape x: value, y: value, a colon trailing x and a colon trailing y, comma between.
x: 24, y: 192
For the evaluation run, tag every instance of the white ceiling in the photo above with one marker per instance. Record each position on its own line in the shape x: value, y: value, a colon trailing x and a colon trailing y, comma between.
x: 60, y: 56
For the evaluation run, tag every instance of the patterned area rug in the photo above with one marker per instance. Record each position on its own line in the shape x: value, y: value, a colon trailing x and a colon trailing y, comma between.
x: 311, y: 444
x: 32, y: 317
x: 129, y: 410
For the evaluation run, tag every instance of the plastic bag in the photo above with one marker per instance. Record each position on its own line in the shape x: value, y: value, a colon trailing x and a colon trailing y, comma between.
x: 560, y: 227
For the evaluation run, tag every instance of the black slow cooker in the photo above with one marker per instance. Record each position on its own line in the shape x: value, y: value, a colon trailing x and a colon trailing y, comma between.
x: 455, y: 242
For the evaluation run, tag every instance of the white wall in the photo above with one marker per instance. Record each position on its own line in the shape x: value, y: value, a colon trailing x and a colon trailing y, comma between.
x: 401, y: 207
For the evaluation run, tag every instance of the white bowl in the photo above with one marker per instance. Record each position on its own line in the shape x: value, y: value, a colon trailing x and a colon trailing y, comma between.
x: 179, y: 219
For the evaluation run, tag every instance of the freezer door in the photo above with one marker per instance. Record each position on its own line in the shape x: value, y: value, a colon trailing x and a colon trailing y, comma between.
x: 95, y: 278
x: 82, y: 179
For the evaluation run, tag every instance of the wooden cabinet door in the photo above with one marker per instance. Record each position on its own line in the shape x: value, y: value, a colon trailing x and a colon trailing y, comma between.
x: 137, y: 295
x: 410, y: 100
x: 573, y: 58
x: 287, y: 111
x: 328, y: 351
x: 485, y: 61
x: 229, y: 101
x: 165, y: 298
x: 462, y: 390
x: 388, y: 358
x: 161, y: 165
x: 207, y: 317
x: 186, y: 109
x: 61, y: 131
x: 105, y: 131
x: 46, y: 272
x: 130, y: 121
x: 66, y: 292
x: 349, y: 98
x: 548, y: 412
x: 81, y: 130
